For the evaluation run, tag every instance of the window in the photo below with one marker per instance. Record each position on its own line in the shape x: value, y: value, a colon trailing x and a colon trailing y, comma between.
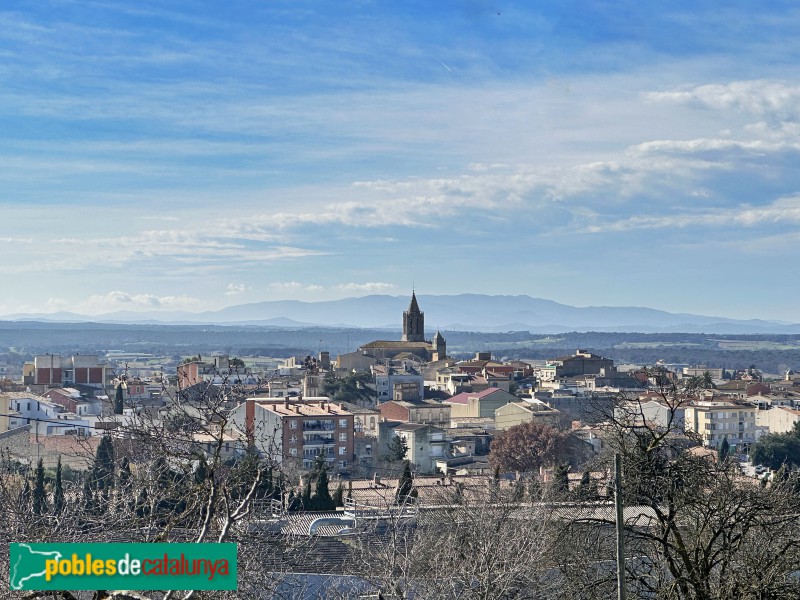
x: 293, y: 451
x: 293, y: 424
x: 342, y: 450
x: 293, y: 439
x: 342, y: 423
x: 342, y: 437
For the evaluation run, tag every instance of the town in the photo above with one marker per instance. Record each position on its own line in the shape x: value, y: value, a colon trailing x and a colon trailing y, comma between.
x: 311, y: 452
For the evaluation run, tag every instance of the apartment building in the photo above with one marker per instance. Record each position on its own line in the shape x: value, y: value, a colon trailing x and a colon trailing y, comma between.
x: 292, y: 430
x: 715, y: 421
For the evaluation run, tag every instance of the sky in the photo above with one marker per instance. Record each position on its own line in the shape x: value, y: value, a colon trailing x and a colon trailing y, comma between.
x: 188, y: 156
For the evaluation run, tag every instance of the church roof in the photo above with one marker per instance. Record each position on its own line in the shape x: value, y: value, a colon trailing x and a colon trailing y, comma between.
x: 413, y: 307
x: 395, y: 345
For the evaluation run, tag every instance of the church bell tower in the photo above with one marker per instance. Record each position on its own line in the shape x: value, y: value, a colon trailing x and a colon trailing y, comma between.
x: 413, y: 322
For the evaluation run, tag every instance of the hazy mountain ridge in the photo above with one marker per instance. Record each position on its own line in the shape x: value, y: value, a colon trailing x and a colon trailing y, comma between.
x: 464, y: 312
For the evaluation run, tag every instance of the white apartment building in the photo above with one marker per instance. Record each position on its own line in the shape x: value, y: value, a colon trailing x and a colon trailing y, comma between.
x: 716, y: 421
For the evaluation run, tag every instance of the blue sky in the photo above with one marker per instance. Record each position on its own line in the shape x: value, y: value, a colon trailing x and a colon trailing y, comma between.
x: 194, y: 155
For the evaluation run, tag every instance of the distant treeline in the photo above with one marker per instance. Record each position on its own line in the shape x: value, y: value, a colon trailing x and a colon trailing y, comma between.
x: 30, y: 338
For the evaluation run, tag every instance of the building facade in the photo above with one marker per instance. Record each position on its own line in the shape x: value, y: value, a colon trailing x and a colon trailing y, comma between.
x: 298, y: 431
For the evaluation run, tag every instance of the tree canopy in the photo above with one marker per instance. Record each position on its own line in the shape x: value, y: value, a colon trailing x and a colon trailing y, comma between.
x: 529, y: 446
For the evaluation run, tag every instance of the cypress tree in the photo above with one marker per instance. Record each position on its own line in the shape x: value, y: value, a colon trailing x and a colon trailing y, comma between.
x: 103, y: 472
x: 89, y: 505
x: 118, y: 400
x: 322, y: 494
x: 39, y: 498
x: 338, y: 495
x: 58, y: 491
x: 724, y: 450
x: 125, y: 475
x: 405, y: 484
x: 561, y: 480
x: 305, y: 497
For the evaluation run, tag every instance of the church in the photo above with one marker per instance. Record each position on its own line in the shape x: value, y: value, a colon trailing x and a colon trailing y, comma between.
x: 412, y: 345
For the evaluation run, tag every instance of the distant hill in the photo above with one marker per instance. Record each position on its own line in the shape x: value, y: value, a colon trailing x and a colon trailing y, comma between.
x: 462, y: 312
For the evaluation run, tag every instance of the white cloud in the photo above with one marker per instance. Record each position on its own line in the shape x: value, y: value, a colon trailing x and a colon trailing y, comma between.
x: 782, y: 210
x: 371, y: 287
x: 295, y: 286
x: 119, y: 300
x: 234, y: 289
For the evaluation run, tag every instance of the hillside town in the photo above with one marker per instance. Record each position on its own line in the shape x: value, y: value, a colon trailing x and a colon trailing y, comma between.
x: 396, y: 425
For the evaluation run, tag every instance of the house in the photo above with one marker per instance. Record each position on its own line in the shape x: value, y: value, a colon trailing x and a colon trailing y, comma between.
x: 580, y: 363
x: 366, y: 428
x: 480, y: 404
x: 55, y: 370
x: 221, y: 370
x: 778, y: 419
x: 426, y: 444
x: 72, y: 401
x: 653, y: 409
x: 402, y: 382
x: 427, y: 411
x: 46, y: 417
x: 516, y: 413
x: 298, y: 431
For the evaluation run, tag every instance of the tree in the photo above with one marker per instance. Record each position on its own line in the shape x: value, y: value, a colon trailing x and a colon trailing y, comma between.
x: 355, y: 388
x: 338, y: 495
x: 777, y: 449
x: 698, y: 530
x: 118, y: 399
x: 723, y: 450
x: 58, y: 490
x: 527, y: 447
x: 708, y: 380
x: 397, y: 449
x: 102, y: 478
x: 405, y: 484
x: 39, y: 495
x: 561, y: 480
x: 322, y: 495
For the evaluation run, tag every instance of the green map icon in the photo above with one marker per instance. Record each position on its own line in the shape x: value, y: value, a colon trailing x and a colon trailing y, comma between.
x: 28, y: 564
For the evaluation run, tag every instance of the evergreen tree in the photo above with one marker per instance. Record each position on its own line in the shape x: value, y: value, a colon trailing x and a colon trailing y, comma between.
x: 103, y: 471
x: 89, y: 504
x: 338, y: 495
x: 397, y: 449
x: 305, y: 497
x: 124, y: 476
x: 723, y: 450
x: 405, y: 484
x: 322, y: 493
x: 58, y: 491
x: 118, y: 400
x: 587, y: 489
x: 561, y: 479
x: 39, y: 497
x: 292, y: 503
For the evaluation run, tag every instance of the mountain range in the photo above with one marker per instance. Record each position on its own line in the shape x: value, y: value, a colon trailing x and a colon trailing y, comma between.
x: 462, y: 312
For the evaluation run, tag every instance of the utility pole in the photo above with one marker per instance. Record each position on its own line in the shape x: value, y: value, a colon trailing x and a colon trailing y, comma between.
x: 620, y: 525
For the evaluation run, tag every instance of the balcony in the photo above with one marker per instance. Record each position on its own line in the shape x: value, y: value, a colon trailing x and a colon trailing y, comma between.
x: 319, y: 425
x: 317, y: 439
